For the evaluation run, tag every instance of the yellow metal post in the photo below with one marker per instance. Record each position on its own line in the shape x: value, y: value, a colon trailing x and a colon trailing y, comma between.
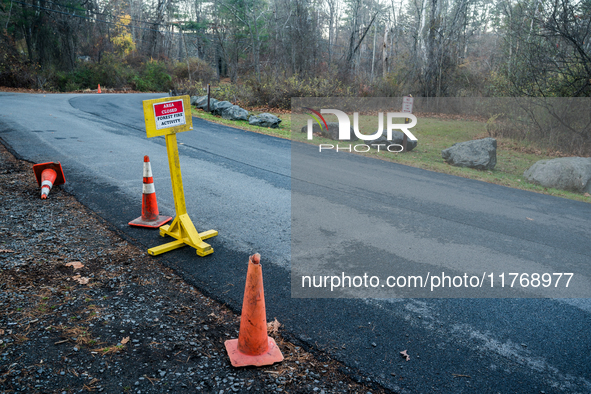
x: 181, y: 228
x: 176, y: 179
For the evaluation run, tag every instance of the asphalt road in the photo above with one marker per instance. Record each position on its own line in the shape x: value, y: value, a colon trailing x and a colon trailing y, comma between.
x: 249, y: 187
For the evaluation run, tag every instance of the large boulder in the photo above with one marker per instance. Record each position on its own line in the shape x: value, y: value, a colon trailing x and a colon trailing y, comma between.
x: 332, y: 132
x: 219, y: 107
x: 478, y: 154
x: 397, y: 138
x: 201, y: 102
x: 194, y: 99
x: 566, y: 173
x: 235, y: 113
x: 264, y: 120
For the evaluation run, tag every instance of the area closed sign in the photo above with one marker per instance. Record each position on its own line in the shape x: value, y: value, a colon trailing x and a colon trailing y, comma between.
x: 407, y: 104
x: 167, y: 115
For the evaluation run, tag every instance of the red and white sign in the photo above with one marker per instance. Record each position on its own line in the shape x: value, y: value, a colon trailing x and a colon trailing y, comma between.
x: 407, y: 104
x: 169, y: 114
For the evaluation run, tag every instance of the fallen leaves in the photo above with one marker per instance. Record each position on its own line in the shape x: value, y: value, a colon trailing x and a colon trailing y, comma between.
x: 108, y: 350
x: 587, y: 195
x: 81, y: 279
x: 75, y: 264
x: 273, y: 327
x: 112, y: 349
x: 405, y: 355
x: 6, y: 251
x: 90, y: 386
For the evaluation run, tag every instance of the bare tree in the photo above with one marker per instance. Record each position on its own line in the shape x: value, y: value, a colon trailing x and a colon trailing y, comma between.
x: 250, y: 13
x: 160, y: 12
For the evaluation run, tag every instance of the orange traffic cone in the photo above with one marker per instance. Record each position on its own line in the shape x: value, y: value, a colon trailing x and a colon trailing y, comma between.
x: 47, y: 175
x: 253, y: 346
x: 99, y: 88
x: 150, y: 216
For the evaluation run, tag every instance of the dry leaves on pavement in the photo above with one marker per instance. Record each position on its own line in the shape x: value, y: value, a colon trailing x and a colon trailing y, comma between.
x: 273, y: 327
x: 405, y: 355
x: 81, y: 279
x: 75, y: 264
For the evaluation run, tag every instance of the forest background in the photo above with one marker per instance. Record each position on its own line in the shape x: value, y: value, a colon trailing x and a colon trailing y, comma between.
x: 263, y: 52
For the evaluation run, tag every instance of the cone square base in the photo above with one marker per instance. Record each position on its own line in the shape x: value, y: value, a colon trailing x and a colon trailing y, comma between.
x: 239, y: 359
x: 60, y: 179
x: 139, y: 222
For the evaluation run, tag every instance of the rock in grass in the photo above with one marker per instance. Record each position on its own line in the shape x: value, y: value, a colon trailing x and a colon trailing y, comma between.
x: 219, y: 107
x: 235, y: 113
x: 478, y: 154
x: 264, y: 120
x: 397, y: 138
x: 565, y: 173
x: 332, y: 132
x: 201, y: 102
x: 198, y: 100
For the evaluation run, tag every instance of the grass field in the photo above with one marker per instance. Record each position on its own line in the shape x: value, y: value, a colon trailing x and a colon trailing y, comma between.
x: 284, y: 130
x: 434, y: 135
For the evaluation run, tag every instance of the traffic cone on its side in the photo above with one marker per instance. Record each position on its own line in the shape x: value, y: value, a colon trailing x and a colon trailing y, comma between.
x: 253, y: 346
x: 150, y: 216
x: 48, y: 175
x: 99, y: 88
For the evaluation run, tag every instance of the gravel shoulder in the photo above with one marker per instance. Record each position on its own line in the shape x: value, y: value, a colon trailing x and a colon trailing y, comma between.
x: 85, y: 310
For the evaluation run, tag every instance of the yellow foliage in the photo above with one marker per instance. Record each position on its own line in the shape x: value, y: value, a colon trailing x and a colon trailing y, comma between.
x: 123, y: 40
x: 125, y: 20
x: 123, y: 43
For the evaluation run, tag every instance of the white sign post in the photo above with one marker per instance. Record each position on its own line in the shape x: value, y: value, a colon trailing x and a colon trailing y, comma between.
x: 407, y: 108
x: 407, y: 104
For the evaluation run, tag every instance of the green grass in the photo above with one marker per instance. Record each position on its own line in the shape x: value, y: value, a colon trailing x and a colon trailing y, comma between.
x: 434, y: 135
x: 283, y: 131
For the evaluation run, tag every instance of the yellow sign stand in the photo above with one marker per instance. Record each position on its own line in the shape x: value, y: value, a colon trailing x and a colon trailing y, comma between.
x: 168, y: 116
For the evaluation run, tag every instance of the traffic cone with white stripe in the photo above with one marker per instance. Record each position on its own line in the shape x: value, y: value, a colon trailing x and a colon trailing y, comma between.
x: 48, y: 175
x: 150, y: 216
x: 253, y: 346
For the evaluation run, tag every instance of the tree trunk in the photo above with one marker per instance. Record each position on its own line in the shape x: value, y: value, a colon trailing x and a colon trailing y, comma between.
x: 256, y: 44
x: 331, y: 15
x: 422, y: 47
x: 352, y: 36
x: 160, y: 10
x: 385, y: 53
x: 432, y: 66
x: 373, y: 53
x: 27, y: 33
